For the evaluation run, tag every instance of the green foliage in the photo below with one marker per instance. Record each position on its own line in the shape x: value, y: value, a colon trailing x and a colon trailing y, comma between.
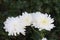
x: 16, y: 7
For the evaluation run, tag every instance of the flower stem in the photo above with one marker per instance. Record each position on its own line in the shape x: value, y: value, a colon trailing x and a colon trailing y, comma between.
x: 36, y: 31
x: 40, y: 34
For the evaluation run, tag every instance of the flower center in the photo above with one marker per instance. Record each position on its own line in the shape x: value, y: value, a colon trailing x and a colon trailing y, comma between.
x: 15, y: 25
x: 27, y: 19
x: 44, y: 21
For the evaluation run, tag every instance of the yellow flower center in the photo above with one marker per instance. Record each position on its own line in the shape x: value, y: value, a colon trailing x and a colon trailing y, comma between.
x: 26, y: 19
x: 44, y: 21
x: 15, y: 24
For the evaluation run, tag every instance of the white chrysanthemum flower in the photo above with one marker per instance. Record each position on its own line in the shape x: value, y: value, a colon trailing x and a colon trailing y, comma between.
x: 13, y: 26
x: 44, y: 39
x: 26, y: 19
x: 42, y: 21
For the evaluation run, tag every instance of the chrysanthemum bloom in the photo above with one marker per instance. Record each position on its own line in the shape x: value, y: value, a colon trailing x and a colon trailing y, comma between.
x: 26, y: 19
x: 42, y: 21
x: 13, y: 26
x: 44, y: 39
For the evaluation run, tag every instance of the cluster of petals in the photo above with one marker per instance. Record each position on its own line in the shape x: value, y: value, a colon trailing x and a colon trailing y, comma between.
x: 42, y: 21
x: 44, y: 38
x: 17, y: 25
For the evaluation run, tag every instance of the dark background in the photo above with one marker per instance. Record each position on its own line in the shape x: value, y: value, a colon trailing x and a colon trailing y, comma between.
x: 14, y: 8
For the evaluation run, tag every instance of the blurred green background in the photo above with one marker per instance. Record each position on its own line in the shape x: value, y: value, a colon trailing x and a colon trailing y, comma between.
x: 14, y: 8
